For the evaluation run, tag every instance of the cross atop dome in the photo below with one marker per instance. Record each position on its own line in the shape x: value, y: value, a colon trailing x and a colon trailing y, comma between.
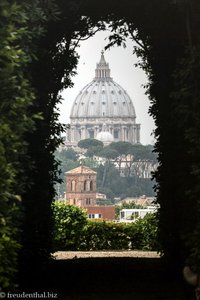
x: 102, y: 69
x: 102, y: 60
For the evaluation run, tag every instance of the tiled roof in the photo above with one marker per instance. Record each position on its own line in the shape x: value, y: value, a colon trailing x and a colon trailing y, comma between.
x: 81, y: 170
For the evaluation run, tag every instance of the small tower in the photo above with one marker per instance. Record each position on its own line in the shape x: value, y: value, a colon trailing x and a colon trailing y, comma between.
x: 81, y: 186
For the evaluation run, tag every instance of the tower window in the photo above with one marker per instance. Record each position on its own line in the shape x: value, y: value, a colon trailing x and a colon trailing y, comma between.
x: 84, y: 185
x: 88, y: 201
x: 91, y: 185
x: 73, y: 185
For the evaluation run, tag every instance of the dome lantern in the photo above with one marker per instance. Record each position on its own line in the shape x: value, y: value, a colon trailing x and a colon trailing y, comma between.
x: 102, y: 69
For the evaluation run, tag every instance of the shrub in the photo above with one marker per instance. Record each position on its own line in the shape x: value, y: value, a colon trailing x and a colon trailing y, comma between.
x: 69, y: 223
x: 100, y: 235
x: 73, y: 231
x: 143, y: 233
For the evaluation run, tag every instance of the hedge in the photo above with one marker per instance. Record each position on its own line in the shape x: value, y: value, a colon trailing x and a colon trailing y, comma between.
x: 73, y: 231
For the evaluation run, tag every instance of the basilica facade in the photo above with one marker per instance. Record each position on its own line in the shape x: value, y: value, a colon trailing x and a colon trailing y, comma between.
x: 103, y: 110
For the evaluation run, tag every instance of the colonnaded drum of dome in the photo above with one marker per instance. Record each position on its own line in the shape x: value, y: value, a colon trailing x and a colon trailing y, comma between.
x: 103, y: 110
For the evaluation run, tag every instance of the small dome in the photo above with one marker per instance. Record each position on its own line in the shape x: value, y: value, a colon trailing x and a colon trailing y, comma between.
x: 105, y: 137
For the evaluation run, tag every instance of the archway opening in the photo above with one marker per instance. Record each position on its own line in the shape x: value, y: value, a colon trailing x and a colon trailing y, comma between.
x: 164, y: 45
x: 126, y: 182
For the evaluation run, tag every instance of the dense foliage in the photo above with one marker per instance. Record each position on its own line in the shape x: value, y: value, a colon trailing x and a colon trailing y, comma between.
x: 73, y: 231
x: 69, y: 222
x: 16, y: 97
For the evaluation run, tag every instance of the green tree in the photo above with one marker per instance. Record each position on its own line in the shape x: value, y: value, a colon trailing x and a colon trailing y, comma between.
x: 88, y: 143
x: 16, y: 98
x: 93, y: 146
x: 143, y: 233
x: 122, y: 148
x: 69, y: 154
x: 108, y: 154
x: 143, y: 152
x: 69, y: 222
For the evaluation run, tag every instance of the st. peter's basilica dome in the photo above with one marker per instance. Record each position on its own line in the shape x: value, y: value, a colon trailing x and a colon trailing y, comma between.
x: 103, y: 101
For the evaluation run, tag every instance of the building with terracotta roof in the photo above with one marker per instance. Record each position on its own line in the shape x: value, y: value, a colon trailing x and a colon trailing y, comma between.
x: 81, y: 186
x: 81, y: 191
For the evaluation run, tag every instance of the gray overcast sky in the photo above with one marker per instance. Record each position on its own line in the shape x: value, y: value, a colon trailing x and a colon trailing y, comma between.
x: 121, y: 62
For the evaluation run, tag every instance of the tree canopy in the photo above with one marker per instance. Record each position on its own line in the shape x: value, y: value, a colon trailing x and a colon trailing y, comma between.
x: 88, y: 143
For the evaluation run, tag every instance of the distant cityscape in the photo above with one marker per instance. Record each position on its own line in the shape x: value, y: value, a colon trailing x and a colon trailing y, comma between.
x: 103, y: 135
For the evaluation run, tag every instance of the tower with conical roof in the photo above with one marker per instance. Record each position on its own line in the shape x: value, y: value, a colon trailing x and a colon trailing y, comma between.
x: 103, y: 101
